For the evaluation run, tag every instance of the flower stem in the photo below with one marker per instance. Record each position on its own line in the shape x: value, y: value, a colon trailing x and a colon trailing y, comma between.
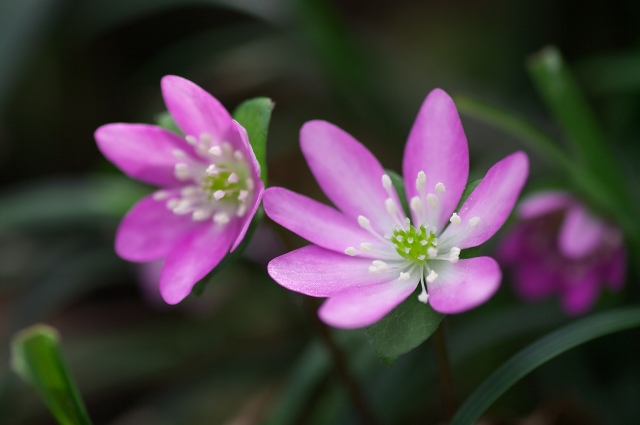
x: 356, y: 394
x: 444, y: 369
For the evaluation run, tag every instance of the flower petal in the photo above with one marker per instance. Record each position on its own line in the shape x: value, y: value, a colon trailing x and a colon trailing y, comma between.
x: 316, y: 222
x: 363, y: 306
x: 319, y: 272
x: 195, y: 111
x: 437, y: 145
x: 347, y: 172
x: 580, y: 233
x: 144, y: 152
x: 533, y: 281
x: 463, y: 285
x: 580, y: 293
x: 616, y: 269
x: 149, y: 231
x: 195, y: 255
x: 254, y: 204
x: 491, y: 202
x: 543, y: 203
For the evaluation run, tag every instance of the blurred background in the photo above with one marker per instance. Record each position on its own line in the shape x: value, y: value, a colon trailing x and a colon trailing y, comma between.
x: 245, y: 351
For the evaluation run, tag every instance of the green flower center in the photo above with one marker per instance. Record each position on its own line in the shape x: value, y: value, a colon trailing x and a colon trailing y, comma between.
x: 415, y: 245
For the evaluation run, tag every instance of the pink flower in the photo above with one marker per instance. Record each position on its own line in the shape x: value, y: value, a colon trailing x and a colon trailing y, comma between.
x: 368, y: 255
x: 210, y: 187
x: 560, y: 247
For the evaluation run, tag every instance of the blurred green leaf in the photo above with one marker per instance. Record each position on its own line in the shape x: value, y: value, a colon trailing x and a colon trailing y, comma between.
x: 166, y: 121
x: 36, y: 357
x: 398, y: 185
x: 402, y: 330
x: 254, y: 115
x: 611, y: 73
x: 540, y: 352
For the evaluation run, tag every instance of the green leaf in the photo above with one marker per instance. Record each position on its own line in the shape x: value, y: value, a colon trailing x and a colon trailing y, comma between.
x: 36, y: 357
x: 402, y: 330
x: 254, y: 115
x: 166, y: 121
x: 540, y: 352
x: 398, y: 185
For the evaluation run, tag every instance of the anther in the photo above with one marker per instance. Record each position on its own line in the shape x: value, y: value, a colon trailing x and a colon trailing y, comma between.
x: 365, y: 246
x: 191, y: 140
x: 238, y: 155
x: 455, y: 219
x: 421, y: 180
x: 178, y: 153
x: 221, y: 218
x: 381, y: 265
x: 242, y: 209
x: 212, y: 170
x: 201, y: 214
x: 233, y: 178
x: 182, y: 171
x: 351, y: 251
x: 432, y: 200
x: 454, y: 254
x: 243, y: 195
x: 364, y: 222
x: 432, y: 276
x: 391, y: 206
x: 422, y: 257
x: 218, y: 194
x: 432, y: 252
x: 386, y: 181
x: 160, y: 195
x: 474, y: 221
x: 215, y: 151
x: 423, y: 297
x: 416, y: 204
x: 206, y: 139
x: 440, y: 188
x: 404, y: 276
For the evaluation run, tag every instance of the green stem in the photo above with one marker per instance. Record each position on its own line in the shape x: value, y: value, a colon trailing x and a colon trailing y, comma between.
x: 444, y: 370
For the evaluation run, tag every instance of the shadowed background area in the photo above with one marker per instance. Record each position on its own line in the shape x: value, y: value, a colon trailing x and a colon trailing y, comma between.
x: 245, y: 352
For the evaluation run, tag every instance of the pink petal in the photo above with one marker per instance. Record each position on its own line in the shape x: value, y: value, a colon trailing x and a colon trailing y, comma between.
x: 464, y: 285
x: 316, y: 222
x: 144, y: 152
x: 616, y: 269
x: 533, y: 281
x: 437, y: 145
x: 363, y: 306
x: 492, y: 202
x: 319, y: 272
x: 580, y: 233
x: 543, y: 203
x: 580, y: 294
x: 149, y: 231
x: 195, y: 111
x: 245, y: 147
x: 347, y: 172
x: 195, y: 255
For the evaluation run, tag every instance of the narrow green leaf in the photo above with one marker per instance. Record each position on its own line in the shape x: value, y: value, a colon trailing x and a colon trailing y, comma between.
x: 402, y: 330
x: 166, y: 121
x: 540, y: 352
x: 398, y: 185
x: 36, y: 357
x: 254, y: 115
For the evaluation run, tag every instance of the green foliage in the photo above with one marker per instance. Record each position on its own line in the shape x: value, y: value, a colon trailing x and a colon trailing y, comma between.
x: 254, y: 115
x: 36, y: 357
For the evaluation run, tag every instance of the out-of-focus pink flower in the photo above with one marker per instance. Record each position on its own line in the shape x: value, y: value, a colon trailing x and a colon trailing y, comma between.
x: 210, y: 187
x: 559, y: 247
x: 368, y: 255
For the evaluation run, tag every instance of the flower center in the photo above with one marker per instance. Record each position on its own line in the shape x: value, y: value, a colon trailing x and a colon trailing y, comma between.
x: 415, y: 245
x: 216, y: 187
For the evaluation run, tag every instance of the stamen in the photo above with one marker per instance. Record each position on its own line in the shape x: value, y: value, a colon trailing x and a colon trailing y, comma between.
x: 474, y: 221
x: 440, y: 188
x: 160, y: 195
x: 178, y: 153
x: 182, y: 207
x: 416, y: 205
x: 215, y: 151
x: 242, y: 209
x: 404, y: 276
x: 233, y: 178
x: 424, y: 296
x: 432, y: 276
x: 189, y: 191
x: 421, y: 180
x: 455, y: 219
x: 432, y: 252
x: 386, y: 181
x: 191, y: 140
x: 218, y: 194
x: 243, y: 195
x: 212, y: 170
x: 201, y: 214
x: 432, y: 201
x: 221, y: 218
x: 172, y: 203
x: 381, y: 265
x: 182, y: 171
x: 454, y: 254
x: 373, y: 269
x: 391, y: 206
x: 364, y: 222
x: 238, y: 155
x: 365, y: 246
x: 351, y: 251
x: 206, y: 139
x: 250, y: 183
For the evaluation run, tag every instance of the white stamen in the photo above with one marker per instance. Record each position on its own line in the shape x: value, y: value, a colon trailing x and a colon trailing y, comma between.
x: 416, y: 204
x: 226, y: 147
x: 421, y: 180
x: 432, y: 200
x: 391, y: 206
x: 201, y: 214
x: 364, y: 222
x: 212, y: 170
x: 182, y: 171
x: 440, y: 188
x: 189, y: 191
x: 160, y: 195
x: 406, y: 250
x: 238, y: 155
x: 455, y: 219
x: 374, y: 269
x: 381, y: 265
x: 250, y: 184
x: 365, y: 246
x: 233, y: 178
x: 172, y: 203
x: 454, y: 254
x: 400, y: 238
x: 421, y: 257
x: 432, y: 276
x: 432, y: 252
x: 423, y: 297
x: 351, y: 251
x: 206, y: 139
x: 409, y: 240
x: 215, y: 151
x: 386, y: 181
x: 218, y: 194
x: 191, y: 140
x: 423, y: 242
x: 178, y: 153
x: 242, y: 209
x: 243, y: 195
x: 474, y: 221
x: 404, y: 276
x: 182, y: 207
x: 221, y: 218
